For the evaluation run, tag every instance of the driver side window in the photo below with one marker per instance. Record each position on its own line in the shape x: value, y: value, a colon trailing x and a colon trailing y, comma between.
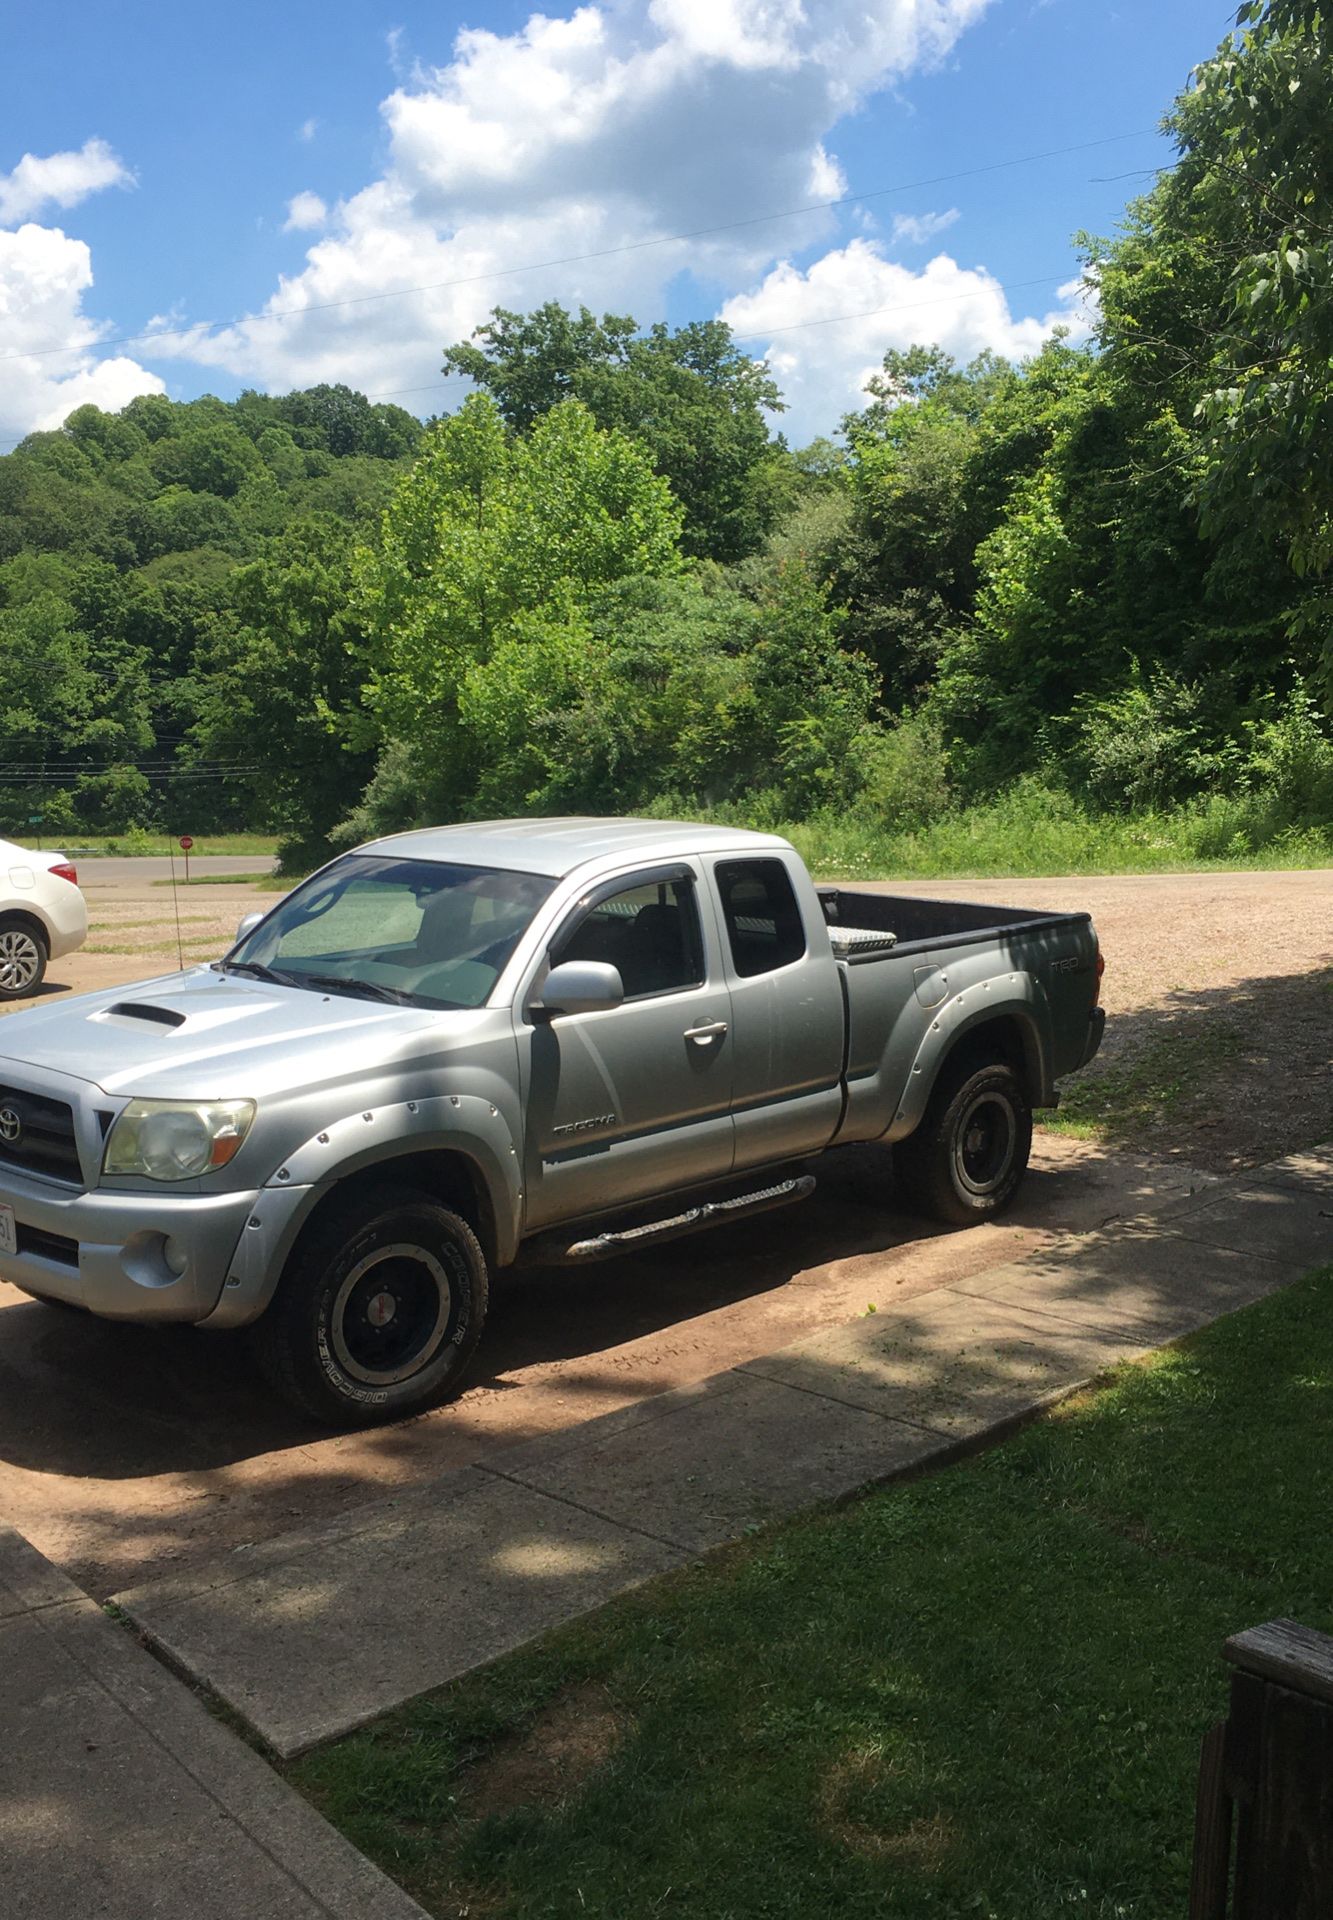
x: 650, y: 932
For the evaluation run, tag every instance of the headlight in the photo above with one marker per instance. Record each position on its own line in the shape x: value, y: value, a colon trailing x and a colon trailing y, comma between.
x: 176, y: 1139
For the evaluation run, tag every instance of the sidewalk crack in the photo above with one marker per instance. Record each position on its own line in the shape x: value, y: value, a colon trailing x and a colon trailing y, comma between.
x: 593, y: 1513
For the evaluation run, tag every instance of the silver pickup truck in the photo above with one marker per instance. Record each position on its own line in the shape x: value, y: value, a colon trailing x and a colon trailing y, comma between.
x: 539, y: 1039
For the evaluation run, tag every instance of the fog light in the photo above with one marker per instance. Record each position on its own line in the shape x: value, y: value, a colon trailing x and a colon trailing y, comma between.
x: 176, y: 1256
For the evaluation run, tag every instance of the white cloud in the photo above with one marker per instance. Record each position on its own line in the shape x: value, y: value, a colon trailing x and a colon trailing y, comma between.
x: 578, y: 135
x: 59, y: 179
x: 746, y: 33
x: 305, y: 211
x: 825, y: 330
x: 44, y: 275
x: 827, y: 179
x: 395, y: 41
x: 914, y: 229
x: 307, y: 129
x: 587, y: 135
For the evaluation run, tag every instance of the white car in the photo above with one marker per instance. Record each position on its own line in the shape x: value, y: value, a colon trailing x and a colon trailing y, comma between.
x: 42, y: 916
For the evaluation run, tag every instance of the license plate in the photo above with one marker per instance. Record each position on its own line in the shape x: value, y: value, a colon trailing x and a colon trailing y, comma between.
x: 9, y: 1240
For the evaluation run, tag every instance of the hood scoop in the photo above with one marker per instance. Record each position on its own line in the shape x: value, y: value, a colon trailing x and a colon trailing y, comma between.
x: 141, y: 1010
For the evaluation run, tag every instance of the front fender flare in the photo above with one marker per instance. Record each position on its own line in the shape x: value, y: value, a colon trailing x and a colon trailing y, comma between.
x: 459, y: 1123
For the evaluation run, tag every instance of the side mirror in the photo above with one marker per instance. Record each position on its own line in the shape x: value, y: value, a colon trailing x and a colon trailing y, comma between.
x: 581, y: 986
x: 248, y: 925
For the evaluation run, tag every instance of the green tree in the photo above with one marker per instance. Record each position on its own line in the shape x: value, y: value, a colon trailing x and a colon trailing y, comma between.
x: 1256, y: 136
x: 530, y: 362
x: 344, y: 422
x: 682, y: 686
x: 690, y: 395
x: 276, y: 680
x: 72, y: 714
x: 484, y: 533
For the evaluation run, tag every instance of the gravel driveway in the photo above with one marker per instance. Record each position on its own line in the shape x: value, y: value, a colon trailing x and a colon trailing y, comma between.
x: 1219, y: 999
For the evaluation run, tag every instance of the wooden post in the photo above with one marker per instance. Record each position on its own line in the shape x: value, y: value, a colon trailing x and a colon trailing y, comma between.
x: 1266, y: 1781
x: 1211, y: 1873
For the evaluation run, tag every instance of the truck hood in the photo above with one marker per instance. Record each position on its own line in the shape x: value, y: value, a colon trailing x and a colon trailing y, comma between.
x: 202, y: 1035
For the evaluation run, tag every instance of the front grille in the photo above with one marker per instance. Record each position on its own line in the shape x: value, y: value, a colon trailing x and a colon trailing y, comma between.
x: 47, y: 1246
x: 37, y: 1135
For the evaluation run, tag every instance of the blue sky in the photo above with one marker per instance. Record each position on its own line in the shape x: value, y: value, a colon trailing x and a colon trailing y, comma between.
x: 186, y: 166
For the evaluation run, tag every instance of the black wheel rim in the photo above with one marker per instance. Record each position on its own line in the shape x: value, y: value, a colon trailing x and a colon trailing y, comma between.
x: 985, y: 1144
x: 391, y: 1314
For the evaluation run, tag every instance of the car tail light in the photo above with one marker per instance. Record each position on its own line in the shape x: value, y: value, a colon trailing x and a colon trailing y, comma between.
x: 1101, y: 969
x: 66, y: 871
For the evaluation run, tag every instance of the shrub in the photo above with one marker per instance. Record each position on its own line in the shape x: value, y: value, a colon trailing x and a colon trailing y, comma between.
x: 904, y: 773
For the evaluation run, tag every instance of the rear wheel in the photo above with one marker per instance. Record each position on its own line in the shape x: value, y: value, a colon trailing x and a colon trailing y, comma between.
x: 378, y: 1313
x: 23, y: 957
x: 967, y: 1158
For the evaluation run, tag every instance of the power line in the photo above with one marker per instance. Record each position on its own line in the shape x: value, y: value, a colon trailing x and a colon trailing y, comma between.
x: 827, y: 320
x: 60, y: 780
x: 66, y: 767
x: 599, y: 253
x: 907, y: 306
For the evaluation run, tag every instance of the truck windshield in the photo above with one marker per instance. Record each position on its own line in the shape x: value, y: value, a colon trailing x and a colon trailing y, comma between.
x: 420, y: 932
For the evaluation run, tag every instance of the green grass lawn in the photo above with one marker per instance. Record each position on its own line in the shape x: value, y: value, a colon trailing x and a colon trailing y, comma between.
x: 978, y: 1693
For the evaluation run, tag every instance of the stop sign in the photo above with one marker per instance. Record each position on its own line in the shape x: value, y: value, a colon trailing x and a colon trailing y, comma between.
x: 185, y: 843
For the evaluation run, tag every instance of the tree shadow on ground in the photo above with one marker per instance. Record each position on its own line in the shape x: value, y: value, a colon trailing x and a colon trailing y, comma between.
x: 1221, y: 1077
x: 181, y: 1421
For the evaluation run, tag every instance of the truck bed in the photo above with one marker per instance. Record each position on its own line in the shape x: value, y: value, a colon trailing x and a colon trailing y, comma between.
x: 916, y: 924
x: 903, y: 956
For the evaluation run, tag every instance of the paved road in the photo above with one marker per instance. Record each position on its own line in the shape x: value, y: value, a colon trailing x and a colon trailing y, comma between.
x: 97, y: 875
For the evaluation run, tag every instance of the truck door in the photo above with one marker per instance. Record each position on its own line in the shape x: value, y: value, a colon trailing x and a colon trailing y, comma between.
x: 787, y: 1015
x: 636, y: 1100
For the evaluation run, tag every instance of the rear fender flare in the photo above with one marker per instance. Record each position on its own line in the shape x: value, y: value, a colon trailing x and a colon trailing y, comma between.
x: 1022, y: 1002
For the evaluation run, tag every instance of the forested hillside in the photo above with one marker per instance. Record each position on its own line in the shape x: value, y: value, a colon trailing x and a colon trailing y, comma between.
x: 1095, y: 583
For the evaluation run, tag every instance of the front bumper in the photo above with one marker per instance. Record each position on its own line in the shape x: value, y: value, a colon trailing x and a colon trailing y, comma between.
x: 107, y: 1251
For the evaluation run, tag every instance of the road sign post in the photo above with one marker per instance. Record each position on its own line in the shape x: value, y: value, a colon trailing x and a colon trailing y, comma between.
x: 185, y: 843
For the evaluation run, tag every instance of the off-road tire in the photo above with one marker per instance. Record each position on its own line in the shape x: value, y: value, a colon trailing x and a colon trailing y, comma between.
x: 966, y: 1160
x: 378, y: 1313
x: 23, y: 957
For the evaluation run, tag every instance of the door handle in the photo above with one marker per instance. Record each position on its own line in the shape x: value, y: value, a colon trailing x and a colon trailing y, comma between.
x: 712, y: 1030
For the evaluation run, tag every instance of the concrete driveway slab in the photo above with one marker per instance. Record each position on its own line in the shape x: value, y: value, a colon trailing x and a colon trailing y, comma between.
x: 703, y: 1465
x: 320, y: 1635
x: 1290, y: 1222
x: 28, y: 1581
x: 311, y: 1635
x: 1150, y: 1286
x: 958, y: 1364
x: 1312, y: 1171
x: 120, y: 1797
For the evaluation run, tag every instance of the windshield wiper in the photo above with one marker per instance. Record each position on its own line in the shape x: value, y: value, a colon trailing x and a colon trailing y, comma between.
x: 367, y: 989
x: 254, y: 971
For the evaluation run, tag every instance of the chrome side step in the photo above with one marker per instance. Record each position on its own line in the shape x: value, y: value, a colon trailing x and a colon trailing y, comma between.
x: 712, y: 1213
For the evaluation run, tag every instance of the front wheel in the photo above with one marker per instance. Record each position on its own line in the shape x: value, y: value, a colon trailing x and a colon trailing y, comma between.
x: 23, y: 957
x: 378, y: 1314
x: 967, y: 1158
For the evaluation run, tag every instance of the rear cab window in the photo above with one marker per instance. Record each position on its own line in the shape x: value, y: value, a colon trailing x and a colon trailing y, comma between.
x: 761, y: 915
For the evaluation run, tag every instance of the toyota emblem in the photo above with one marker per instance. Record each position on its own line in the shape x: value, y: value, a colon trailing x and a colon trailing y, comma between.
x: 11, y: 1127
